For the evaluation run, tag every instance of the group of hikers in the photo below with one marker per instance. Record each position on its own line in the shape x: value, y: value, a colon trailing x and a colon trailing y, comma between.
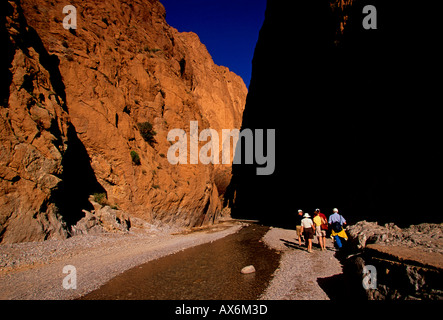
x: 319, y: 226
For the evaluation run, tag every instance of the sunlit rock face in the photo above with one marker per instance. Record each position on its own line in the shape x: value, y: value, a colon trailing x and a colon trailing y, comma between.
x: 73, y: 105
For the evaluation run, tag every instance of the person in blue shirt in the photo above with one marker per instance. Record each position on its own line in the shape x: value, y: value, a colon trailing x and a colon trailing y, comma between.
x: 336, y: 221
x: 335, y: 217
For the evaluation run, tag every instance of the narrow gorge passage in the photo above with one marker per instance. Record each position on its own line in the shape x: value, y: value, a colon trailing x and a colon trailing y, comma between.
x: 209, y: 271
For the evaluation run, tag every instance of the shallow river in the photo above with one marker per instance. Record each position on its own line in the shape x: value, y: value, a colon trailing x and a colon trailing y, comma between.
x: 208, y: 271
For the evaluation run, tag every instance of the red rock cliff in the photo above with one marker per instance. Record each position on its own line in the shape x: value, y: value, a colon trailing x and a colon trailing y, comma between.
x: 72, y: 106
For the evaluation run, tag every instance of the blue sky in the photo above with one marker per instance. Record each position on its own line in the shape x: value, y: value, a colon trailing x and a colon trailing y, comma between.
x: 228, y: 28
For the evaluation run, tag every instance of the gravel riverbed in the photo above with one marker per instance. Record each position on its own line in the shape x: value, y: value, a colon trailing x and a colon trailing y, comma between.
x: 34, y: 270
x: 297, y: 277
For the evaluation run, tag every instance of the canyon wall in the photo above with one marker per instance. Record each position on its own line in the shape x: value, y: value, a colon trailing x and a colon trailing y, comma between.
x: 87, y: 111
x: 353, y: 111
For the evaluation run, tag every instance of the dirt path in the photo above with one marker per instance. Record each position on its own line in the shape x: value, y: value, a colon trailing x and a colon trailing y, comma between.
x: 35, y: 270
x: 301, y: 275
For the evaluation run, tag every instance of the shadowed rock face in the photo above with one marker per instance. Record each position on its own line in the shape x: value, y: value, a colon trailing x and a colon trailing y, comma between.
x: 72, y: 105
x: 352, y: 109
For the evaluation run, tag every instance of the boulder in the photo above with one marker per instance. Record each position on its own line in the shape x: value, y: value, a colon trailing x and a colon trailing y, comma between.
x: 104, y: 219
x: 248, y: 269
x: 113, y: 220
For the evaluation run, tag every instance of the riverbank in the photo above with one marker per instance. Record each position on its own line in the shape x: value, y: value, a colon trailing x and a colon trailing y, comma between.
x: 34, y: 270
x: 302, y: 275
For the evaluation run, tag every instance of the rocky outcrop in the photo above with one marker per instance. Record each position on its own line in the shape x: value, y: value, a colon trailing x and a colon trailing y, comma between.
x: 105, y: 219
x: 88, y: 111
x: 408, y: 262
x: 427, y: 236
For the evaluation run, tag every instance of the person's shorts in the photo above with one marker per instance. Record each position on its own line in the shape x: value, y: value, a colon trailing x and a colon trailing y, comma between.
x: 308, y: 233
x: 298, y: 229
x: 319, y: 232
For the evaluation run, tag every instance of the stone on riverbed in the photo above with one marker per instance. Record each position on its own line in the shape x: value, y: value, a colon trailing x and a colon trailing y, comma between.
x: 248, y: 269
